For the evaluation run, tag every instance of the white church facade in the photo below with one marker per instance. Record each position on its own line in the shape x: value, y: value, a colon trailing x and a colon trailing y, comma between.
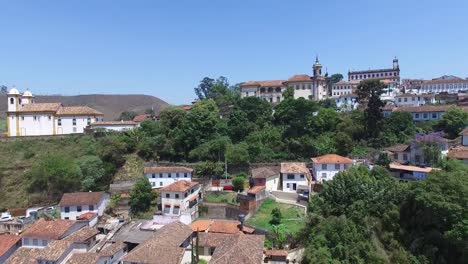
x: 27, y: 118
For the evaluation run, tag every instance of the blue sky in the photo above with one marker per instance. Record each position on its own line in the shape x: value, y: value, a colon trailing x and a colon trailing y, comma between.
x: 164, y: 48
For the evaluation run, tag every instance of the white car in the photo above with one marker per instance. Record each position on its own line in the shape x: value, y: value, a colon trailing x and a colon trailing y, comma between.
x: 5, y: 217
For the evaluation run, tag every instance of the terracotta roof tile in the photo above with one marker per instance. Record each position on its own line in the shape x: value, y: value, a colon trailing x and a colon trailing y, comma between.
x: 84, y: 258
x: 265, y: 172
x: 23, y: 255
x: 270, y: 83
x: 300, y: 78
x: 86, y: 216
x: 240, y: 248
x: 141, y: 118
x: 464, y: 132
x: 256, y: 189
x: 460, y: 152
x: 41, y: 107
x: 52, y: 229
x: 172, y: 169
x: 397, y: 148
x: 77, y: 110
x: 397, y: 166
x: 81, y: 198
x: 163, y: 246
x: 201, y: 225
x: 224, y: 226
x: 179, y: 186
x: 7, y: 242
x: 332, y: 158
x: 54, y: 250
x: 112, y: 249
x: 445, y: 81
x: 212, y: 239
x: 294, y: 167
x: 82, y: 235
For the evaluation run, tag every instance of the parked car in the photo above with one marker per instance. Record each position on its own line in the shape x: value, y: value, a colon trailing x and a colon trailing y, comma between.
x: 4, y: 217
x: 228, y: 188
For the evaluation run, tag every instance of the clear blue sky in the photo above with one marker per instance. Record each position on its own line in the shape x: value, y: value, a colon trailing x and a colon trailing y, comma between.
x: 164, y: 48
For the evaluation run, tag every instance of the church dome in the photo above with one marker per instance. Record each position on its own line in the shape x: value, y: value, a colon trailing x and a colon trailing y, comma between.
x: 13, y: 91
x: 27, y: 93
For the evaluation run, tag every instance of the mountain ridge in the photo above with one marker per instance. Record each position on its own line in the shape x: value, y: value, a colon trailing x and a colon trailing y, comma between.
x: 111, y: 105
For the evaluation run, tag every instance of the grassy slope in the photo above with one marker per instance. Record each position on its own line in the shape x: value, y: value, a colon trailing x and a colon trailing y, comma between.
x: 132, y: 169
x: 17, y: 157
x: 292, y: 216
x: 221, y: 197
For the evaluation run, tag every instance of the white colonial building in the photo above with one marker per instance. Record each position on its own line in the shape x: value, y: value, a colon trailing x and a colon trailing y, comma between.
x: 347, y: 102
x: 160, y: 177
x: 294, y: 176
x: 391, y: 75
x: 305, y: 86
x: 73, y: 205
x: 414, y: 99
x: 325, y: 167
x: 181, y: 198
x: 28, y: 118
x: 344, y: 88
x: 421, y: 113
x: 451, y: 85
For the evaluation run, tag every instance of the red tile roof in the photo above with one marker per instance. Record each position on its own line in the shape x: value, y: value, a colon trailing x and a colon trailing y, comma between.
x: 86, y: 216
x: 179, y: 186
x: 460, y: 152
x: 270, y: 83
x: 256, y: 189
x: 294, y: 167
x: 172, y: 169
x: 24, y: 255
x: 41, y: 107
x: 82, y: 235
x: 239, y: 248
x: 397, y: 148
x: 300, y: 78
x: 265, y: 172
x: 397, y: 166
x: 52, y: 229
x: 201, y: 225
x: 464, y: 132
x: 141, y: 118
x: 77, y: 110
x: 7, y: 242
x: 444, y: 81
x: 81, y: 198
x: 332, y: 158
x: 225, y: 227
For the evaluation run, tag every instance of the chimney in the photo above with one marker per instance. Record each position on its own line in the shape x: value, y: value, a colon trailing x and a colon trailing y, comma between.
x: 241, y: 220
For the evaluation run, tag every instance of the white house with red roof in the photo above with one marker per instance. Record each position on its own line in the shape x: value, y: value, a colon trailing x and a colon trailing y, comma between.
x: 161, y: 176
x: 181, y: 198
x: 325, y: 167
x: 73, y: 205
x: 294, y: 176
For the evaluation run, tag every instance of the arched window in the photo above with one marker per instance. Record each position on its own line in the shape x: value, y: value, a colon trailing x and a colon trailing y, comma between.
x: 12, y: 100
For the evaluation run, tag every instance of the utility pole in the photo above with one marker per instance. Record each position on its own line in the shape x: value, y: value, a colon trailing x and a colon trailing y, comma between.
x: 225, y: 167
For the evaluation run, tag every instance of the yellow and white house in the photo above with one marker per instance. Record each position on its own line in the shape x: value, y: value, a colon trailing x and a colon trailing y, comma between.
x: 28, y: 118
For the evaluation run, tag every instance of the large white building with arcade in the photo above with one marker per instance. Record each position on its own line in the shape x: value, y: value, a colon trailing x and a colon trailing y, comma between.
x: 25, y: 117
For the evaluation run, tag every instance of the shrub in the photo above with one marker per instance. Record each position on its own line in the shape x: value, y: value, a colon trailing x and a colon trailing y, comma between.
x: 238, y: 183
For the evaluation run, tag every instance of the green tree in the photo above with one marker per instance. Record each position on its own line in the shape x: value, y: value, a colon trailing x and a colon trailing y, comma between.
x: 397, y: 128
x: 453, y: 121
x: 238, y: 183
x: 237, y: 154
x: 369, y: 92
x: 54, y: 174
x: 127, y: 115
x: 141, y: 196
x: 295, y: 115
x: 280, y: 234
x: 334, y: 78
x: 434, y: 217
x: 92, y: 169
x: 275, y: 216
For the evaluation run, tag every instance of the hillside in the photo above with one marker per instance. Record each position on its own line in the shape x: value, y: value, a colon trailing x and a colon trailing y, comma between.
x: 110, y: 105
